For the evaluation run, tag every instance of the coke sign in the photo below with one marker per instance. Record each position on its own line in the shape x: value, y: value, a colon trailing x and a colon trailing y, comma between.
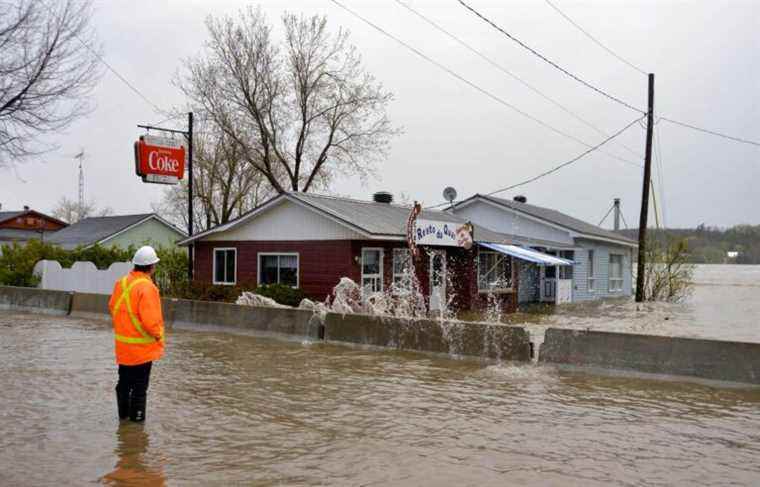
x: 159, y: 160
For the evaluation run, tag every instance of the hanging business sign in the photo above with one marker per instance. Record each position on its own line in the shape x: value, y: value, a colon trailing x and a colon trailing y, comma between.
x: 159, y: 160
x: 448, y: 234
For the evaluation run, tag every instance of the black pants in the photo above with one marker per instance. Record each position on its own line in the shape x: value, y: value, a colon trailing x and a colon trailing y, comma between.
x: 132, y: 390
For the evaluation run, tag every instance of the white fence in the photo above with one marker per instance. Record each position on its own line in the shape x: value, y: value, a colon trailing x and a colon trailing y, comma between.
x: 82, y: 277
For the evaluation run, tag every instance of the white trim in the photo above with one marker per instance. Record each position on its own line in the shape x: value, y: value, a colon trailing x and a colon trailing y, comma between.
x: 591, y: 277
x: 130, y: 227
x: 213, y: 267
x: 380, y: 267
x: 298, y: 266
x: 609, y: 274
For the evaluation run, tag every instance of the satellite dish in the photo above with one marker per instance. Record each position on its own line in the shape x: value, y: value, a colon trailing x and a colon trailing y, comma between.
x: 450, y: 194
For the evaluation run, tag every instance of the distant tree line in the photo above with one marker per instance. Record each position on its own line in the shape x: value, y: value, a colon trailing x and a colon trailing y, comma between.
x: 711, y: 245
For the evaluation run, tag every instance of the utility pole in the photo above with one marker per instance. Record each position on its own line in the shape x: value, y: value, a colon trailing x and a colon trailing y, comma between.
x: 616, y: 205
x: 645, y: 195
x: 191, y: 247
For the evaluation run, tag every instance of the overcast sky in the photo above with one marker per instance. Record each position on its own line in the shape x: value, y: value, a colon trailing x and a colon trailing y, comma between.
x: 704, y: 54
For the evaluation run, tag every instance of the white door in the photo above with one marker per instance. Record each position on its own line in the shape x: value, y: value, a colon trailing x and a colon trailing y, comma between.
x: 437, y: 280
x: 548, y: 284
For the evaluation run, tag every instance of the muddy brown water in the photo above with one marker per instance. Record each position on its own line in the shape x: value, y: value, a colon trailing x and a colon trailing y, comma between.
x: 240, y: 410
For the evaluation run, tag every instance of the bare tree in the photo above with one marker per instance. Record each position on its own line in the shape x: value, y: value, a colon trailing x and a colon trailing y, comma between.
x: 667, y: 275
x: 71, y: 212
x: 298, y: 111
x: 224, y: 187
x: 47, y: 67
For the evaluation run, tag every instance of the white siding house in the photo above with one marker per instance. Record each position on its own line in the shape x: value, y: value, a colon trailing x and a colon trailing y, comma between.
x: 608, y: 276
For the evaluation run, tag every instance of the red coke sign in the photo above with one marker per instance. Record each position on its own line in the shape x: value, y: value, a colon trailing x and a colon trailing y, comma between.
x: 159, y: 160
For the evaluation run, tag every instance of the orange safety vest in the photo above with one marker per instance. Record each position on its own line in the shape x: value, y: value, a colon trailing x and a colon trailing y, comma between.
x: 138, y: 323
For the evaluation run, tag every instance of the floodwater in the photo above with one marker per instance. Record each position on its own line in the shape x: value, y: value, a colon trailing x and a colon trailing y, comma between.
x: 724, y: 305
x: 240, y: 410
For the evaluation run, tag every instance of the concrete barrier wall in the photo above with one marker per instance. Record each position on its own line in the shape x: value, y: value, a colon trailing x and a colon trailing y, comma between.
x: 35, y: 300
x: 284, y: 321
x: 449, y: 337
x: 707, y: 359
x: 88, y: 305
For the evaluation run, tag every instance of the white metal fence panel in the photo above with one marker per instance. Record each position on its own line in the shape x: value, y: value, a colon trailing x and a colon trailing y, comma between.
x: 82, y: 277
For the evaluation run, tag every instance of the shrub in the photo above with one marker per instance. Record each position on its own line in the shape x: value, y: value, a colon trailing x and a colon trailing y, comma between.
x: 282, y: 294
x: 205, y: 291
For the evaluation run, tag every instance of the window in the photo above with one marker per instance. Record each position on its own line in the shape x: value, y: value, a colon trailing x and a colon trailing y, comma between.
x: 566, y: 271
x: 616, y: 272
x: 402, y: 267
x: 278, y: 269
x: 372, y: 270
x: 494, y: 272
x: 591, y: 272
x: 225, y: 268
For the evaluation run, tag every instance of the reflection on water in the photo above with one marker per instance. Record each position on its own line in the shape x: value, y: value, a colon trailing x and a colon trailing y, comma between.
x: 229, y: 410
x: 134, y: 465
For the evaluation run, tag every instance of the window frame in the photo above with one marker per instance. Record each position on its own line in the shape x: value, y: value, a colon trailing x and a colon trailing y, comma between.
x: 399, y: 250
x: 213, y: 268
x: 591, y: 270
x: 380, y: 268
x: 278, y: 254
x: 511, y: 288
x: 620, y: 279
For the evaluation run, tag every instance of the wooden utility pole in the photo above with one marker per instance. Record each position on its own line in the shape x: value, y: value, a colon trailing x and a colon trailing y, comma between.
x: 645, y: 196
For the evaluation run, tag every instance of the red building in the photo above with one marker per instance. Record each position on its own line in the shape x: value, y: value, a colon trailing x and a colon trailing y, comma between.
x: 24, y: 225
x: 311, y: 241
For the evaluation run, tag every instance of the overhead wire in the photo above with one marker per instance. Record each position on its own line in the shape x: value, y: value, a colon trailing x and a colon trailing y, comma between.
x: 485, y: 92
x: 595, y: 40
x: 554, y: 169
x: 549, y: 61
x: 111, y: 68
x: 512, y: 75
x: 712, y: 132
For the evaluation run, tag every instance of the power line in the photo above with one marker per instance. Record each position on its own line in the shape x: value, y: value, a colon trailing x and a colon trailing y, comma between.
x: 711, y: 132
x: 556, y: 168
x: 550, y: 62
x: 111, y: 68
x: 512, y: 75
x: 496, y: 98
x: 595, y: 40
x: 660, y: 173
x: 571, y: 161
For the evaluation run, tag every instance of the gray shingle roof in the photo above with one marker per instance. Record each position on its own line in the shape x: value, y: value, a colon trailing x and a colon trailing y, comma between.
x: 13, y: 234
x: 375, y: 219
x: 92, y: 230
x: 558, y: 218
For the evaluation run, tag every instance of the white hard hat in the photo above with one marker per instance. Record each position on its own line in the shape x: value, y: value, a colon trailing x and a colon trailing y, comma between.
x: 145, y: 256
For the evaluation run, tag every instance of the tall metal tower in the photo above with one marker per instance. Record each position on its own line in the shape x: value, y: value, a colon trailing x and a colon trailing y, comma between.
x: 81, y: 156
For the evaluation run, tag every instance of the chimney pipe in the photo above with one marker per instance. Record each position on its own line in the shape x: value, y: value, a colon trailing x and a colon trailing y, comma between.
x: 26, y: 207
x: 617, y: 213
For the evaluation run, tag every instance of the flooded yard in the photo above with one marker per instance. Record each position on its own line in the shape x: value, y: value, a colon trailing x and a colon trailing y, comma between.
x: 724, y: 305
x: 229, y: 410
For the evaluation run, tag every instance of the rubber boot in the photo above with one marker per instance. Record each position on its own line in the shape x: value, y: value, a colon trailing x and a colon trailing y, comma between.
x: 137, y: 409
x: 122, y: 402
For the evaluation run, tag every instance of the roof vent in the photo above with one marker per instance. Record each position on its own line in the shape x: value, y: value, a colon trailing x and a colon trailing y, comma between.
x: 26, y: 208
x: 382, y: 197
x: 520, y: 199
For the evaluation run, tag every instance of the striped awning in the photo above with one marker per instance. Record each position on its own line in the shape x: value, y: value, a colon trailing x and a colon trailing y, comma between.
x: 528, y: 255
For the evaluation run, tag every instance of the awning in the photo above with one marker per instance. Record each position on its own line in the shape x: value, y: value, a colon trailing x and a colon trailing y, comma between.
x: 526, y: 254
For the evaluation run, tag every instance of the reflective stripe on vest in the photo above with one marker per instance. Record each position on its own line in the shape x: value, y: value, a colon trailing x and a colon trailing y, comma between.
x: 125, y: 290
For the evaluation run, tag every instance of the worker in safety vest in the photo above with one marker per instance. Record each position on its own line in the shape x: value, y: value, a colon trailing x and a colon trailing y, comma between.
x: 138, y: 327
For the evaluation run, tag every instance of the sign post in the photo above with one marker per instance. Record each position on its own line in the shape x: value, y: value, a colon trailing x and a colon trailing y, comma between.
x: 163, y: 162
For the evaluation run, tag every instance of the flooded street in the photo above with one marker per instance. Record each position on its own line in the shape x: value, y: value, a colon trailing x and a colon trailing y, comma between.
x: 724, y: 305
x: 226, y: 409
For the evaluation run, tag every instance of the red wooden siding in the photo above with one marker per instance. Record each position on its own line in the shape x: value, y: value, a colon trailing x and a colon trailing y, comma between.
x: 323, y: 262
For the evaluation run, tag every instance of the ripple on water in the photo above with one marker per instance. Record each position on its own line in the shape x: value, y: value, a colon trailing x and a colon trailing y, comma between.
x: 227, y: 409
